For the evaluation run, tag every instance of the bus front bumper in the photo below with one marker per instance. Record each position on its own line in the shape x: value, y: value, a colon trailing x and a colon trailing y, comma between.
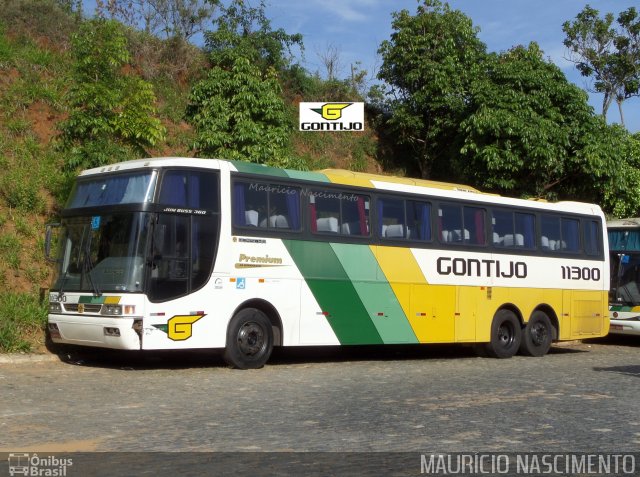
x: 96, y: 331
x: 625, y: 327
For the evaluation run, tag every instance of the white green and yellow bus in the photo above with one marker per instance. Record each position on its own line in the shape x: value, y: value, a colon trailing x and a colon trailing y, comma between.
x: 177, y: 253
x: 624, y: 296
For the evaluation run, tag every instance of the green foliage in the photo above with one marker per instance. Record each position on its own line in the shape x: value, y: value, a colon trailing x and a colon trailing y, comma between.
x: 10, y: 250
x: 429, y: 63
x: 37, y: 75
x: 527, y: 121
x: 238, y: 113
x: 174, y: 99
x: 22, y: 182
x: 532, y: 133
x: 39, y: 19
x: 616, y: 175
x: 21, y: 195
x: 245, y: 31
x: 28, y: 169
x: 21, y: 317
x: 6, y: 51
x: 238, y: 110
x: 112, y: 113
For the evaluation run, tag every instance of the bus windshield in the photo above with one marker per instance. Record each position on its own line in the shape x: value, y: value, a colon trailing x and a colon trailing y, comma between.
x: 127, y: 188
x: 625, y: 279
x: 102, y: 253
x: 624, y: 244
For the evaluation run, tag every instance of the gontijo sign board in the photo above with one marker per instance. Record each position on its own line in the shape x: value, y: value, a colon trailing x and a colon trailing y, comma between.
x: 336, y: 116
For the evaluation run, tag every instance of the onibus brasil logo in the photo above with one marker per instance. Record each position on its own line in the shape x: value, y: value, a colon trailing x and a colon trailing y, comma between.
x: 341, y: 116
x: 22, y: 463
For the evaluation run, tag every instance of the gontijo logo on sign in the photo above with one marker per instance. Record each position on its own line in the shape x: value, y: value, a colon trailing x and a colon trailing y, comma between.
x: 344, y: 116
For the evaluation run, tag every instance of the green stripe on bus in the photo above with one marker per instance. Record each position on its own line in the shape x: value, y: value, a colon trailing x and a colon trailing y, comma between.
x: 307, y: 176
x: 621, y: 308
x: 334, y: 292
x: 92, y: 300
x: 253, y: 168
x: 375, y: 293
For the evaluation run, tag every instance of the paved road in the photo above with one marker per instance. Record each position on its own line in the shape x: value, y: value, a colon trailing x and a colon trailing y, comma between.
x: 582, y: 397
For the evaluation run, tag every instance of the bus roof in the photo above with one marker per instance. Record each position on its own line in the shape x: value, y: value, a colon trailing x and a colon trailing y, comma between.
x: 350, y: 178
x: 630, y: 223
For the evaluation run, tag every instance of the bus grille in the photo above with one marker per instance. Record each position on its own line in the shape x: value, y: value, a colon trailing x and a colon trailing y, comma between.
x: 88, y: 308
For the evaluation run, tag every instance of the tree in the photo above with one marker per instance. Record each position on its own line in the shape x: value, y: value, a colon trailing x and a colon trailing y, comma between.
x: 429, y: 63
x: 608, y: 54
x: 330, y: 59
x: 242, y: 30
x: 532, y: 133
x: 611, y: 176
x: 238, y: 113
x: 111, y: 112
x: 168, y: 18
x: 238, y: 110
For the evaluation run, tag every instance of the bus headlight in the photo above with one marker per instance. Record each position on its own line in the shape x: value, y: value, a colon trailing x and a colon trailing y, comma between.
x: 118, y: 310
x: 112, y: 310
x: 55, y: 307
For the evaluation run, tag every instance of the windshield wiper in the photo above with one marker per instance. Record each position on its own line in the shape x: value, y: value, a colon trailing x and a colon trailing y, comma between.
x: 87, y: 266
x: 65, y: 276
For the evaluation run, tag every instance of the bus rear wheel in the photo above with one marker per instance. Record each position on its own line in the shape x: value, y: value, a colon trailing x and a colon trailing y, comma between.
x: 537, y: 335
x: 249, y: 339
x: 506, y: 334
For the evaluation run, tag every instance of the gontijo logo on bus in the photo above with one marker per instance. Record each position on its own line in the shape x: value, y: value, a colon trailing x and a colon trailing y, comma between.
x: 342, y: 116
x: 180, y: 327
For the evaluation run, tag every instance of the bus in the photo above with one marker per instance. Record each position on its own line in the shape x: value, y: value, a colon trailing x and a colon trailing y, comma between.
x: 624, y: 295
x: 182, y: 253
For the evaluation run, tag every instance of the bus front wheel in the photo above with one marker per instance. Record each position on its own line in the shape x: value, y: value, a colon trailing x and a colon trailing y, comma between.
x: 537, y: 335
x: 506, y: 334
x: 249, y: 339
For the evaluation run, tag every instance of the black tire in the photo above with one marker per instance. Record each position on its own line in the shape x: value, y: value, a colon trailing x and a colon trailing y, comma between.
x: 249, y: 340
x: 537, y: 335
x: 506, y: 334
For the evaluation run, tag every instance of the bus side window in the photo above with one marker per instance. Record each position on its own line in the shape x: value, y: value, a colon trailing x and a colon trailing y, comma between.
x: 474, y: 225
x: 450, y: 223
x: 458, y: 224
x: 391, y: 219
x: 419, y: 220
x: 570, y: 237
x: 192, y: 189
x: 501, y: 226
x: 526, y: 228
x: 591, y: 234
x: 550, y: 230
x: 266, y: 205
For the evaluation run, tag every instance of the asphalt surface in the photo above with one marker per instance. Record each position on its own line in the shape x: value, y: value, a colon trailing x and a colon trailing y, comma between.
x: 581, y: 397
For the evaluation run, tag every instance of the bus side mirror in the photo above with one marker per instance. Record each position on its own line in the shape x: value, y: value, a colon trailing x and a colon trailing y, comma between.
x: 47, y: 241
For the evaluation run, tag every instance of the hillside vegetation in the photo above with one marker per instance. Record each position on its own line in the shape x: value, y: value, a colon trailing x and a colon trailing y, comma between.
x: 78, y: 92
x: 38, y: 73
